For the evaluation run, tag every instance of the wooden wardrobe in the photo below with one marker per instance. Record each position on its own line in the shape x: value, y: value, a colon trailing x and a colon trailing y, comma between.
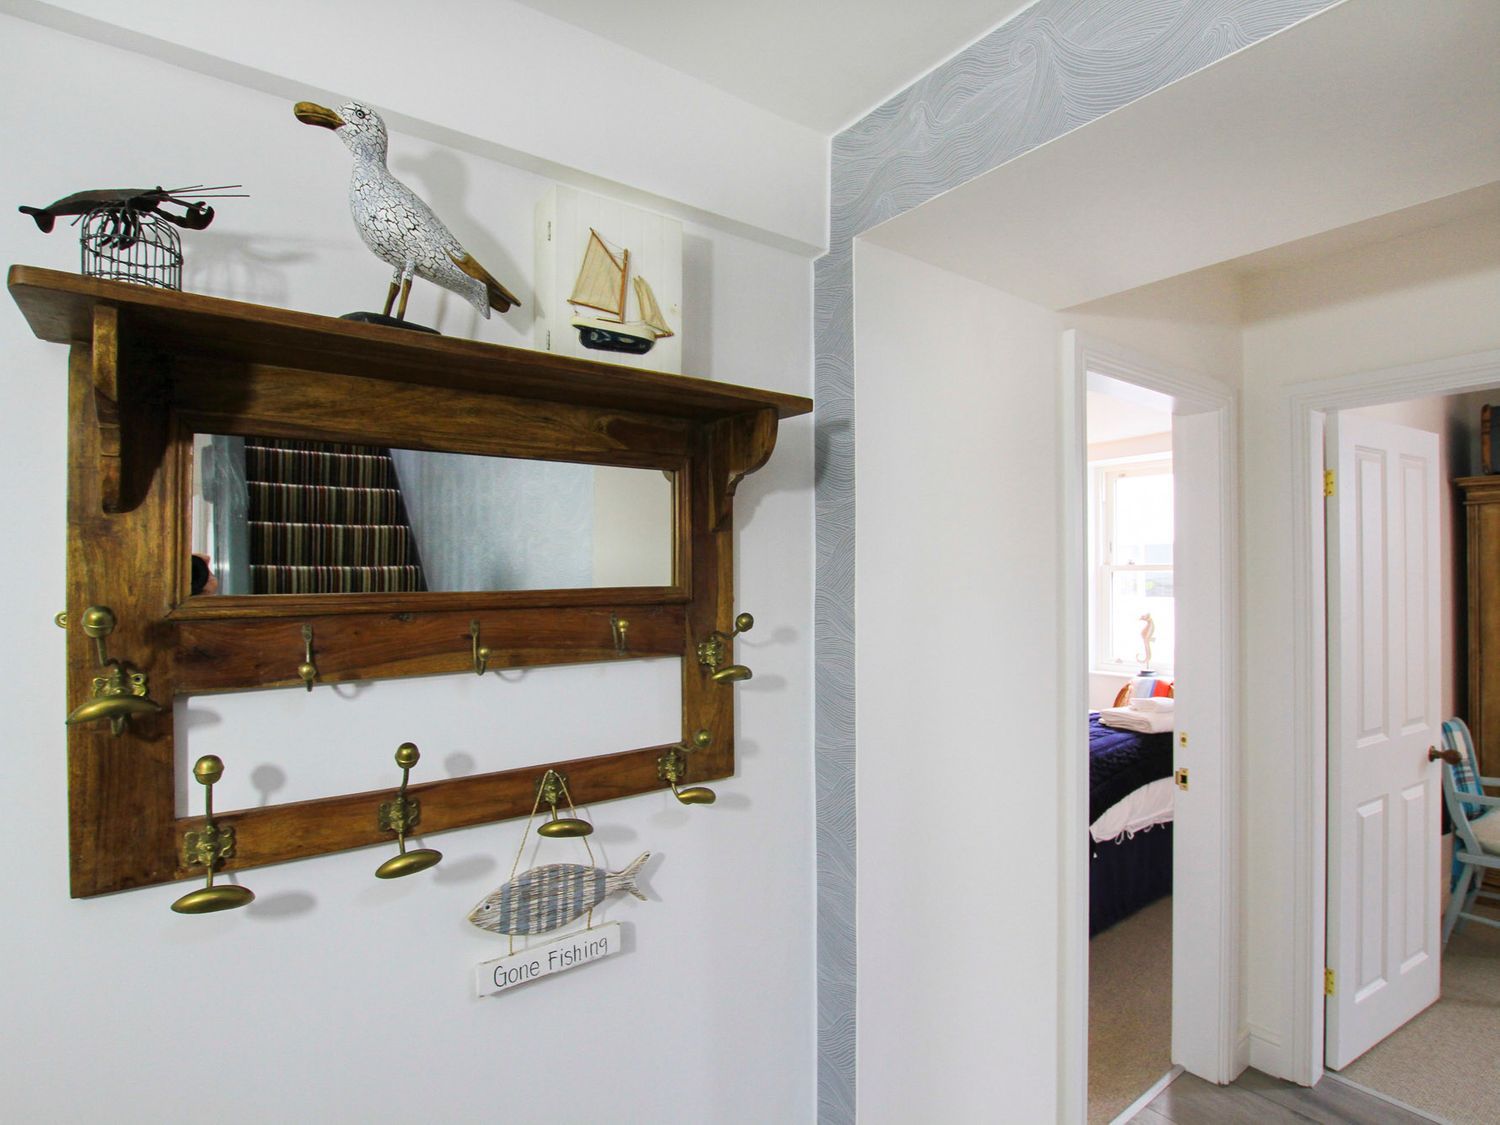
x: 1482, y: 511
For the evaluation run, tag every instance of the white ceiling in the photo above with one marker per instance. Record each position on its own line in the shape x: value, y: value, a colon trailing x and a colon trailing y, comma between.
x: 1483, y: 200
x: 1366, y: 109
x: 821, y: 63
x: 1111, y: 418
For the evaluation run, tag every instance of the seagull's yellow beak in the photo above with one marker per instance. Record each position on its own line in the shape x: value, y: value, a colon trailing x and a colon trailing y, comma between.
x: 310, y: 113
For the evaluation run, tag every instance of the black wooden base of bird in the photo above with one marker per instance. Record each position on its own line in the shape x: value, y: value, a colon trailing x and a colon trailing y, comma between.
x: 388, y: 321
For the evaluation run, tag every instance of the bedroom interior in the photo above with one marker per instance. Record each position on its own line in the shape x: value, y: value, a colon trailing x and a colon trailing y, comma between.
x: 1130, y: 542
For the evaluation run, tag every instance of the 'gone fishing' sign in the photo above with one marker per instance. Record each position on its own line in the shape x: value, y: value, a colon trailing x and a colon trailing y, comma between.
x: 491, y: 978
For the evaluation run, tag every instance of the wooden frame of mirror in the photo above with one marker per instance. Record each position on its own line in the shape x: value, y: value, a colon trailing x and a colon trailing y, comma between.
x: 147, y: 368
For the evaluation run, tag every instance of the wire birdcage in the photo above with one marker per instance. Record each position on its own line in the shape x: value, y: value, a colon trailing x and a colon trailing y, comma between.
x: 123, y: 244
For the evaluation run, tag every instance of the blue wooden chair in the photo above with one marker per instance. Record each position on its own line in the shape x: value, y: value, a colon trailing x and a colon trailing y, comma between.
x: 1476, y: 828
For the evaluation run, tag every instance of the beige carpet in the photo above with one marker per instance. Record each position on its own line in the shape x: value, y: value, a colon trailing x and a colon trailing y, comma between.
x: 1446, y: 1062
x: 1130, y: 1010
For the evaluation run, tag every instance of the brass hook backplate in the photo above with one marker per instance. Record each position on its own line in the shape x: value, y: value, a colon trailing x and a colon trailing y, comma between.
x: 206, y: 846
x: 671, y: 767
x: 400, y: 814
x: 551, y: 788
x: 619, y: 627
x: 711, y: 652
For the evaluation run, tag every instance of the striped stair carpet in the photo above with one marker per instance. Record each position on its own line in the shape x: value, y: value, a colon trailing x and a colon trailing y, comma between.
x: 327, y: 518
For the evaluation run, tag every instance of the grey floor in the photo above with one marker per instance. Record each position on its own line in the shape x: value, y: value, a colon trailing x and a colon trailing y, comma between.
x: 1259, y: 1100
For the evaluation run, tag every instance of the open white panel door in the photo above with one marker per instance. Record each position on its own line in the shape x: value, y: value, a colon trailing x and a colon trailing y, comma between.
x: 1199, y: 907
x: 1383, y: 700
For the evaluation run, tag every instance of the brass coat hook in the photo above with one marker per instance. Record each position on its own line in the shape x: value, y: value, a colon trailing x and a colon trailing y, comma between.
x: 716, y: 648
x: 121, y: 691
x: 207, y: 847
x: 618, y: 627
x: 671, y: 767
x: 307, y: 669
x: 553, y: 788
x: 481, y: 654
x: 401, y: 816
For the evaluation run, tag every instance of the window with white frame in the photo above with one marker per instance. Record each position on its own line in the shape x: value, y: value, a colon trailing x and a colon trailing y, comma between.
x: 1133, y: 533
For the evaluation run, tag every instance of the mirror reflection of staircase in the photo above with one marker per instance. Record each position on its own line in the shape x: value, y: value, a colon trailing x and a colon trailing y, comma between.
x: 327, y: 518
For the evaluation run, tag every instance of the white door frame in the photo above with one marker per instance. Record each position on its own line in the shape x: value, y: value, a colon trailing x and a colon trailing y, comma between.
x: 1192, y: 393
x: 1306, y: 405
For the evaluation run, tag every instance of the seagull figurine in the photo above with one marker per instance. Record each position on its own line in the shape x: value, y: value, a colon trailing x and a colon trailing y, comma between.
x: 397, y: 226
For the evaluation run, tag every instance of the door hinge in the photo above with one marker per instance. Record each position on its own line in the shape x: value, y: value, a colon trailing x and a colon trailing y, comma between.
x: 549, y: 230
x: 549, y: 339
x: 1327, y: 982
x: 1327, y: 483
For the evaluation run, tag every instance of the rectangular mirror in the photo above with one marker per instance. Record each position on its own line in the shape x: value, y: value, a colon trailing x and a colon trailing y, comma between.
x: 283, y: 516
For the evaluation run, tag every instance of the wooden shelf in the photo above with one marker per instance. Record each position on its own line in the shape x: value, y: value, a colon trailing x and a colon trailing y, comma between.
x: 60, y: 307
x: 149, y: 368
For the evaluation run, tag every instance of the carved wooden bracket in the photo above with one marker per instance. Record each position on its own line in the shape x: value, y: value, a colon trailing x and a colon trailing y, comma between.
x: 742, y: 444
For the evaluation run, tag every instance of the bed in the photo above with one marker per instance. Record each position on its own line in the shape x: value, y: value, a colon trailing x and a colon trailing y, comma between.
x: 1130, y: 819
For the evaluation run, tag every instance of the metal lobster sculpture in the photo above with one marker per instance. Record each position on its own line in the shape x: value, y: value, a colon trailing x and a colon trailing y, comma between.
x: 125, y: 206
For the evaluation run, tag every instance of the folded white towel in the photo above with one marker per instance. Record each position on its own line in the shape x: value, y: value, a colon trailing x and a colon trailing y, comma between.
x: 1146, y: 722
x: 1151, y: 703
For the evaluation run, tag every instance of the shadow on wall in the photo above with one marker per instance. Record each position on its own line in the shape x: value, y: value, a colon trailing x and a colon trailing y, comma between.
x: 252, y: 268
x: 697, y: 305
x: 443, y: 181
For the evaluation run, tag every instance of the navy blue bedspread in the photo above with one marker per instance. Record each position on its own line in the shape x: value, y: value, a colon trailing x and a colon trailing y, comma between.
x: 1121, y: 761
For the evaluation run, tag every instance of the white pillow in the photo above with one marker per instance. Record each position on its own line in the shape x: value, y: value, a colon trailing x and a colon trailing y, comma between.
x: 1152, y: 703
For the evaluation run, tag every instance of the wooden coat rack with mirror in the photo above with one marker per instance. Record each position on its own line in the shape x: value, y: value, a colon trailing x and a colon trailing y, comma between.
x: 155, y: 375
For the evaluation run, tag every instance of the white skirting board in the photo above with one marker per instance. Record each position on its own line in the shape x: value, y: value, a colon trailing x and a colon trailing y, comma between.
x: 1148, y: 1097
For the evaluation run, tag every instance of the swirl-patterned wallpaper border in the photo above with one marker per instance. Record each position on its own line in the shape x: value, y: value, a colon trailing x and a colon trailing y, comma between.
x: 1057, y: 65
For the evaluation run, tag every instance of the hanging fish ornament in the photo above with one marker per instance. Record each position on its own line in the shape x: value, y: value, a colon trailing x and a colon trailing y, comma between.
x: 543, y: 899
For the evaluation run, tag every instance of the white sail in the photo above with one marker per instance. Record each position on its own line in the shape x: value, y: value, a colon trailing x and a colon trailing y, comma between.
x: 651, y: 314
x: 601, y: 279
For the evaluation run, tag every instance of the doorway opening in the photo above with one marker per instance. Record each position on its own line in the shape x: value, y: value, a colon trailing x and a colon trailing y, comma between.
x: 1157, y: 870
x: 1130, y: 642
x: 1404, y: 997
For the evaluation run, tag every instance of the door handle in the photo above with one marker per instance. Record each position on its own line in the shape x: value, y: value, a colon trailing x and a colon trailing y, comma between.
x: 1452, y: 757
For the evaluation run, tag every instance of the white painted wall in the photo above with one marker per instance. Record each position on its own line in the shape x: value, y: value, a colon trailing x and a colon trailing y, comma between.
x: 957, y: 612
x: 336, y: 997
x: 958, y: 609
x: 1191, y: 321
x: 1423, y: 296
x: 501, y: 79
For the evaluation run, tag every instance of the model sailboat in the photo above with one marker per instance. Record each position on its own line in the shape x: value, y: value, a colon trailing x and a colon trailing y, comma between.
x: 603, y: 284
